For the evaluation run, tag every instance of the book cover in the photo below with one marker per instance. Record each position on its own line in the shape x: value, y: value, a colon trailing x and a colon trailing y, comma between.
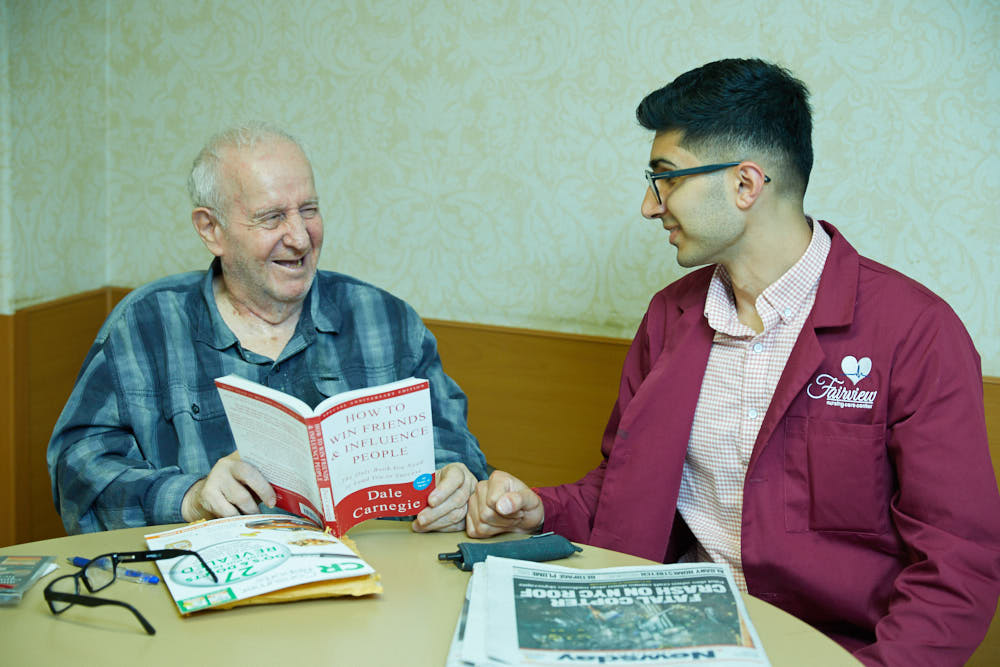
x: 358, y: 455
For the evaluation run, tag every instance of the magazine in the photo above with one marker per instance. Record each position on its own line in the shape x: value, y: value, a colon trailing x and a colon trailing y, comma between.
x: 358, y: 455
x: 521, y: 612
x: 258, y: 559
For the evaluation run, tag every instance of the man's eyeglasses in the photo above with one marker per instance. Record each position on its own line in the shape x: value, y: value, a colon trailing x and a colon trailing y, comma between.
x: 63, y: 592
x: 652, y: 178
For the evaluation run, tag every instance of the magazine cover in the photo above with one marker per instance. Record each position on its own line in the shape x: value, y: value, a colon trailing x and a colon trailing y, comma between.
x: 254, y: 555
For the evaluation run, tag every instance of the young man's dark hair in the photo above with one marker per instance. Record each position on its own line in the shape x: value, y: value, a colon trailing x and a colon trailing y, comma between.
x: 747, y: 105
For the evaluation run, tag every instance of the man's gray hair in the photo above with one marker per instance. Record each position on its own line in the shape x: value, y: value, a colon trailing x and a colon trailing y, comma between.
x: 205, y: 180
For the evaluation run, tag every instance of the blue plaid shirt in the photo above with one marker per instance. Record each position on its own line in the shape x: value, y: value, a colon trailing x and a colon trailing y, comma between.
x: 145, y: 421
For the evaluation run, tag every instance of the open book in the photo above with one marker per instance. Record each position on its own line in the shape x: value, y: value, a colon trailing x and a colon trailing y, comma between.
x: 359, y: 455
x: 258, y: 559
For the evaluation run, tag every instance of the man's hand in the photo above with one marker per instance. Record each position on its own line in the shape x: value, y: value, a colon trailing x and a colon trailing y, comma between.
x: 231, y: 488
x: 448, y: 502
x: 503, y: 504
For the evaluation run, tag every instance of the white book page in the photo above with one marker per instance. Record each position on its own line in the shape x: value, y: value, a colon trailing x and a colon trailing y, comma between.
x: 274, y: 441
x: 277, y: 396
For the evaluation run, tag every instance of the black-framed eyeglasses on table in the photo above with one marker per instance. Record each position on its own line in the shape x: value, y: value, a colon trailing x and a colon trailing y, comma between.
x: 99, y: 573
x: 652, y: 178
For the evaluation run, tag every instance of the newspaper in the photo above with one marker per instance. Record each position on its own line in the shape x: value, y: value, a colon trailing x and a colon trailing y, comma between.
x: 525, y: 613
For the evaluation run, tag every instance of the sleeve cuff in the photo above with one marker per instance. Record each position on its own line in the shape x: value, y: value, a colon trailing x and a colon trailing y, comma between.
x: 164, y: 498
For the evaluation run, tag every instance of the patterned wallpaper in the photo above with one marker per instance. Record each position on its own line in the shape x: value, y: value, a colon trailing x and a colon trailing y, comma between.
x: 481, y: 159
x: 6, y: 242
x: 59, y: 221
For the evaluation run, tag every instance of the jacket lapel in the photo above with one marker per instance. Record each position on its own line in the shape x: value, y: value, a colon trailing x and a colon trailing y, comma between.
x: 639, y: 494
x: 834, y: 307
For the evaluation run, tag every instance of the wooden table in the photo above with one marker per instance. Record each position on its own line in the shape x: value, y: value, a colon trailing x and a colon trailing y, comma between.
x: 411, y: 623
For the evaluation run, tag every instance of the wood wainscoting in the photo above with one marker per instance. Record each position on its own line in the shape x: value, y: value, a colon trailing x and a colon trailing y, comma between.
x: 42, y: 349
x: 8, y: 462
x: 988, y: 653
x: 991, y: 403
x: 538, y: 402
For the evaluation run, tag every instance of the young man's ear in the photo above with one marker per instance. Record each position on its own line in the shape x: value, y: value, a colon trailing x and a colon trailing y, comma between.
x: 750, y: 183
x: 208, y: 227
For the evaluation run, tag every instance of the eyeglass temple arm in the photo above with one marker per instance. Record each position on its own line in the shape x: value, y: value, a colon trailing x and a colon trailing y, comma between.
x: 663, y: 175
x: 162, y: 554
x: 154, y: 555
x: 91, y: 601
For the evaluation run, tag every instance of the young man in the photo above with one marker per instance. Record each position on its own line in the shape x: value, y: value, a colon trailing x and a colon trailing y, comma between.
x: 144, y: 439
x: 806, y: 415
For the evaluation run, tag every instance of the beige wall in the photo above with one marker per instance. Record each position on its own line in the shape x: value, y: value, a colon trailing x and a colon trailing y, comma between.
x: 481, y: 159
x: 56, y: 204
x: 6, y: 254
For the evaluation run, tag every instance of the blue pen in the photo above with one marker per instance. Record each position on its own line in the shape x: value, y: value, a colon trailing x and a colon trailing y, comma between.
x: 135, y: 576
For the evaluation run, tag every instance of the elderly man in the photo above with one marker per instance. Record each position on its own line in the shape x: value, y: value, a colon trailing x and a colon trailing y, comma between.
x: 143, y: 438
x: 806, y: 415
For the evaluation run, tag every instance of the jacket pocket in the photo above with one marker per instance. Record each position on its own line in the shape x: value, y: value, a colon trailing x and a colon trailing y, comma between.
x: 838, y: 476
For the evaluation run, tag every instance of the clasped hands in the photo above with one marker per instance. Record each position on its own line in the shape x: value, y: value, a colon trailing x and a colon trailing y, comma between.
x: 500, y: 504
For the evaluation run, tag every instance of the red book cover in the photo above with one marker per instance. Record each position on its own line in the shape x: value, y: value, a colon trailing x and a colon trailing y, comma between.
x: 359, y: 455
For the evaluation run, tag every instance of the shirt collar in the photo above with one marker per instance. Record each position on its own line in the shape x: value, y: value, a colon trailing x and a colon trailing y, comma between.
x: 720, y: 307
x: 319, y: 312
x: 787, y: 294
x: 322, y: 307
x: 780, y: 301
x: 211, y: 328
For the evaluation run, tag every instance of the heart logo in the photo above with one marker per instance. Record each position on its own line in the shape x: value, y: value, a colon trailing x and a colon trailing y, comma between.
x: 856, y: 369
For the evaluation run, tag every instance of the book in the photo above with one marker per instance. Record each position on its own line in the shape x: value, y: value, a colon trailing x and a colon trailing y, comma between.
x: 260, y: 559
x: 19, y: 573
x: 522, y: 612
x: 359, y: 455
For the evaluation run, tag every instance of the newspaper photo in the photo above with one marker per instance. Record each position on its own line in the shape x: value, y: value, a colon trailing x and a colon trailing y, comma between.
x: 657, y: 615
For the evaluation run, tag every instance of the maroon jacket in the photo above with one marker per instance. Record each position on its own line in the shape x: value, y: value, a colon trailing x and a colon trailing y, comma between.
x: 870, y: 508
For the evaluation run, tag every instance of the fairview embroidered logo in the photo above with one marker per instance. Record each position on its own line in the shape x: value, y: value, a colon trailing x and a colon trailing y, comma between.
x: 835, y: 391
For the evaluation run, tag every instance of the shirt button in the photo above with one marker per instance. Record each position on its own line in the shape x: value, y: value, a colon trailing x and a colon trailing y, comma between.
x: 752, y: 413
x: 757, y: 347
x: 788, y: 312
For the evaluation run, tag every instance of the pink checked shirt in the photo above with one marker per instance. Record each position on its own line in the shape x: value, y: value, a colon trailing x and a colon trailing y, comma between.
x: 743, y: 369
